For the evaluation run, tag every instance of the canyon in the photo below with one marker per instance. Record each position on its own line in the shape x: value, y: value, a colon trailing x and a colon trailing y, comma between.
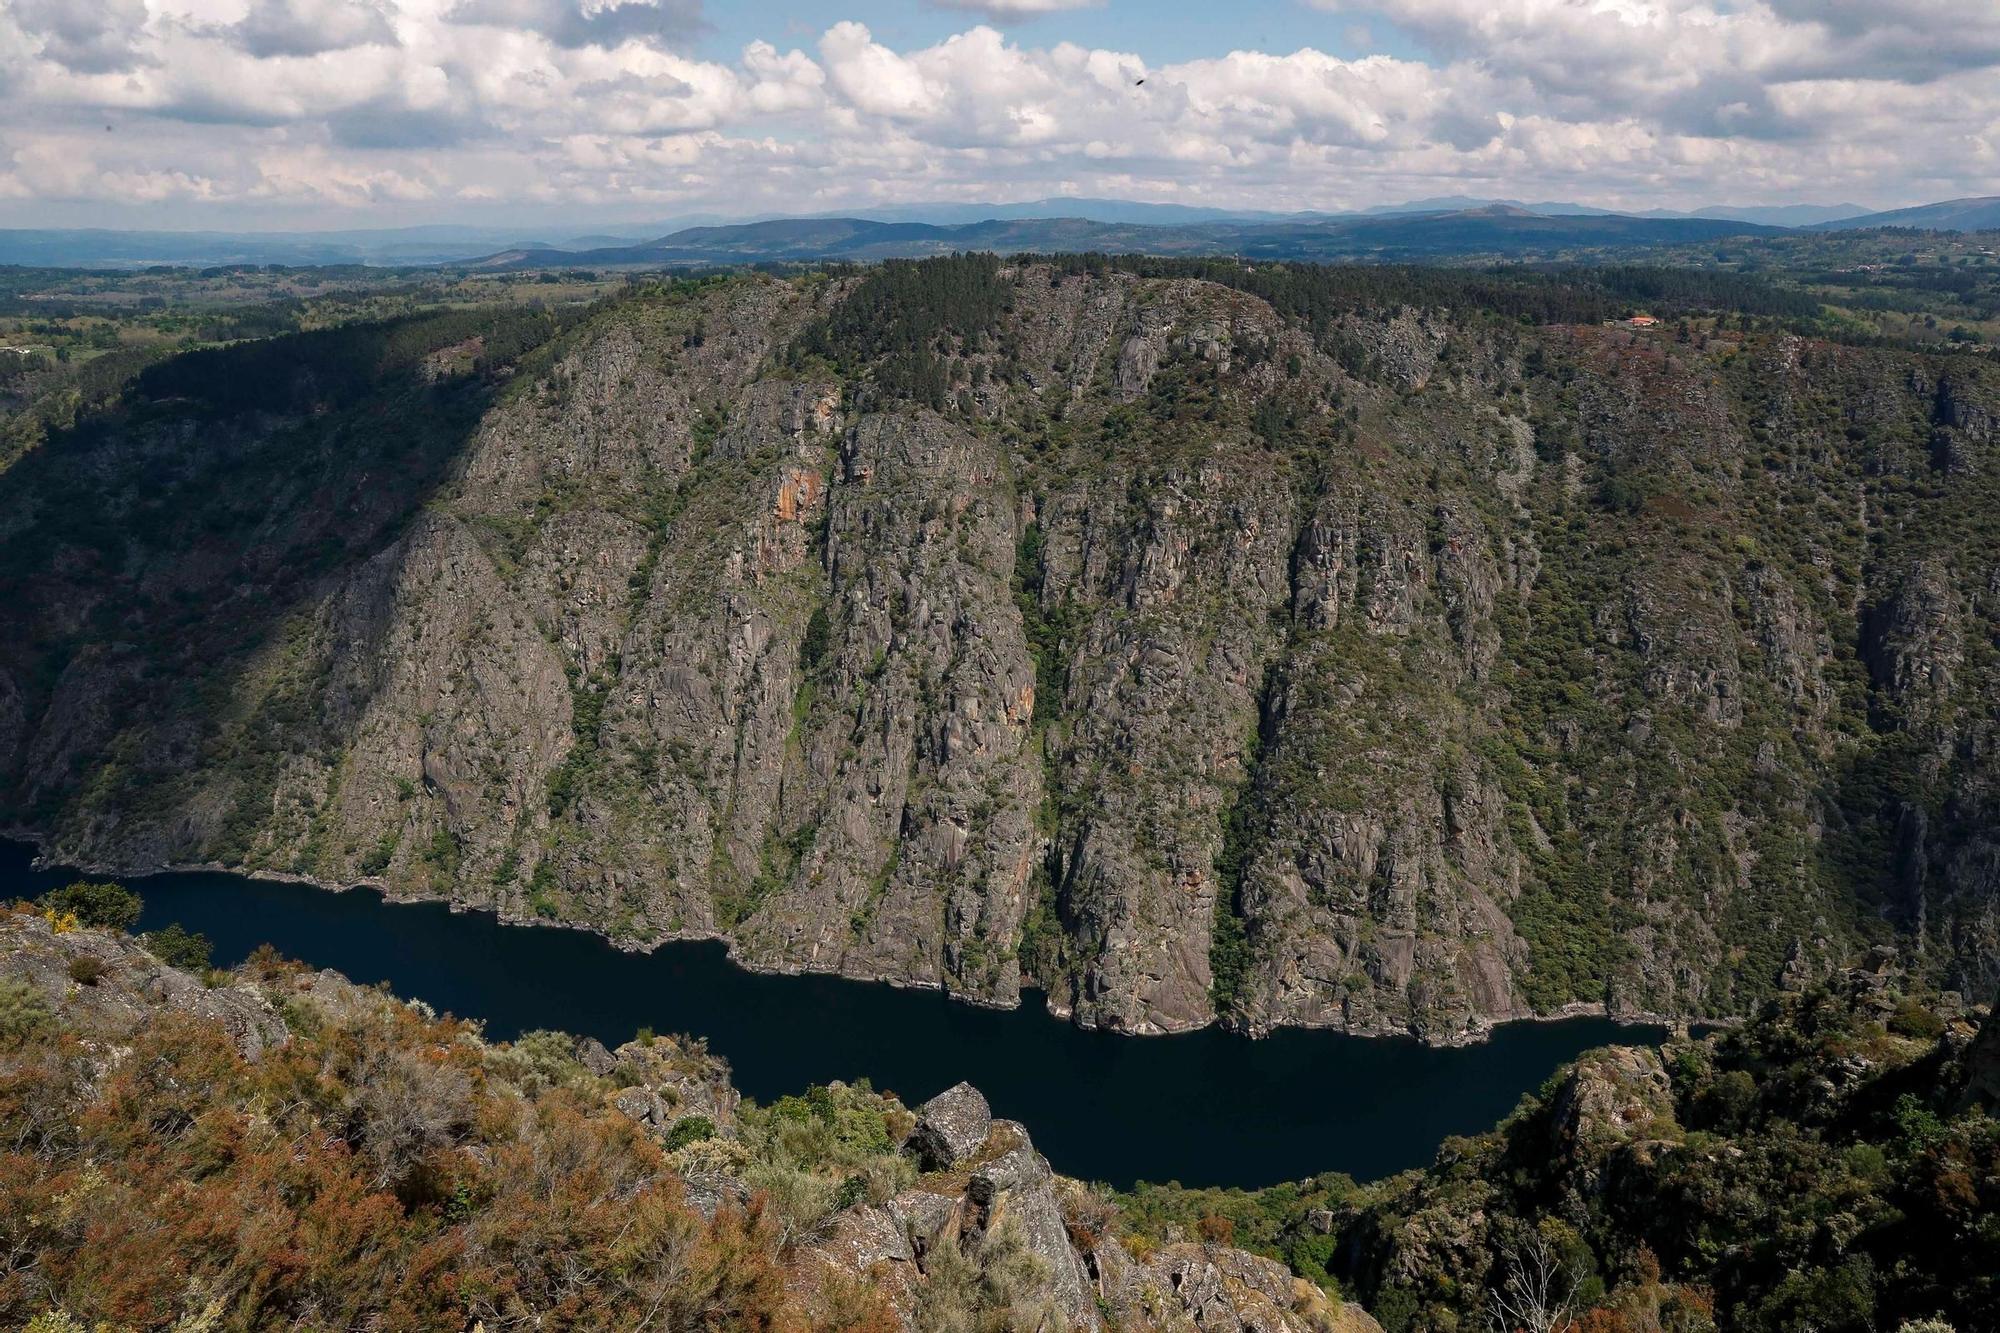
x: 1374, y: 650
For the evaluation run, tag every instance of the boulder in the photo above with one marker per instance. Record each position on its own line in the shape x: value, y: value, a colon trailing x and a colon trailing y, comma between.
x: 875, y: 1245
x: 591, y: 1054
x: 1020, y: 1168
x: 643, y: 1105
x: 925, y: 1216
x: 951, y: 1127
x: 682, y: 1075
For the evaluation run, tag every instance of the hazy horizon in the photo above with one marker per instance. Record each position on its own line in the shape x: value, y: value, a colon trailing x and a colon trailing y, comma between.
x: 561, y: 227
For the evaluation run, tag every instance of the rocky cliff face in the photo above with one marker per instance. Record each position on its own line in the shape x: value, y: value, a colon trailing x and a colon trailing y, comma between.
x: 1391, y: 669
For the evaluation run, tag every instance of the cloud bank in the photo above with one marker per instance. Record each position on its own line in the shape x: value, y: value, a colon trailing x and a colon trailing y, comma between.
x: 331, y: 109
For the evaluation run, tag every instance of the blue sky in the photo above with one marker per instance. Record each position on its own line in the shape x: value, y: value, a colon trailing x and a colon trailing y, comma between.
x: 1163, y: 31
x: 576, y: 113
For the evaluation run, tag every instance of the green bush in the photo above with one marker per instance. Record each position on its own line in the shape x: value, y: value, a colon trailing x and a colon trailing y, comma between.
x: 55, y: 1321
x: 1836, y: 1300
x: 23, y: 1011
x: 176, y: 946
x: 818, y: 638
x: 103, y: 906
x: 690, y: 1129
x: 1915, y: 1020
x: 1395, y: 1309
x: 378, y: 857
x: 853, y: 1190
x: 541, y: 1059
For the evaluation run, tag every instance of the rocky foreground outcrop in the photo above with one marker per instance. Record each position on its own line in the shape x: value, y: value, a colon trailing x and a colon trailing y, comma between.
x: 975, y: 1216
x: 112, y: 987
x: 1277, y: 651
x: 275, y: 1147
x: 985, y: 1199
x: 986, y: 1190
x: 1832, y: 1160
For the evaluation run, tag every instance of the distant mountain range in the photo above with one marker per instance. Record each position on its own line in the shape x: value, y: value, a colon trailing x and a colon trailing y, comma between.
x: 1124, y: 210
x: 1773, y: 215
x: 1980, y: 214
x: 1498, y: 229
x: 1414, y: 230
x: 1091, y: 210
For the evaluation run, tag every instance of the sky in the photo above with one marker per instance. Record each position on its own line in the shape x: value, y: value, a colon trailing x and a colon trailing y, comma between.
x: 284, y: 114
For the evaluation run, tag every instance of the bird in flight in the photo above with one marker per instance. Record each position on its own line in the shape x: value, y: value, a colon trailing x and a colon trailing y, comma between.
x: 1140, y: 84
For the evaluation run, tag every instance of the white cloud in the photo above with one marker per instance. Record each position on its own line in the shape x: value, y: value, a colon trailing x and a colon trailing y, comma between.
x: 403, y: 106
x: 308, y: 27
x: 89, y: 38
x: 875, y: 80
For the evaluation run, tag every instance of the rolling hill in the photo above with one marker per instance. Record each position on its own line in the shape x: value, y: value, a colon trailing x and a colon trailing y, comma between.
x: 1500, y: 230
x: 1979, y: 214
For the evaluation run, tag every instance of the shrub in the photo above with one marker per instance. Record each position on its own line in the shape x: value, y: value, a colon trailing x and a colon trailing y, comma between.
x: 1395, y: 1309
x: 689, y: 1129
x: 23, y: 1011
x: 268, y: 965
x: 176, y: 946
x: 1915, y: 1020
x: 103, y: 906
x: 845, y: 1304
x: 540, y: 1059
x: 799, y: 1201
x: 87, y: 969
x: 1731, y: 1101
x: 1838, y: 1300
x: 378, y: 857
x: 54, y: 1321
x: 408, y: 1105
x: 818, y: 637
x: 993, y: 1284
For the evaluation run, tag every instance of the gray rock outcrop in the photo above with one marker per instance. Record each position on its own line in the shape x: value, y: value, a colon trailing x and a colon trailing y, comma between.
x: 113, y: 986
x: 951, y: 1127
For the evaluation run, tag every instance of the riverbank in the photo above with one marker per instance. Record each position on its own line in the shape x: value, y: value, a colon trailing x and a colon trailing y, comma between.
x: 1480, y: 1031
x: 1207, y: 1107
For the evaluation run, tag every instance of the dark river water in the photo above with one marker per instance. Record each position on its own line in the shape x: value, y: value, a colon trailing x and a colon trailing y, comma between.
x: 1204, y: 1108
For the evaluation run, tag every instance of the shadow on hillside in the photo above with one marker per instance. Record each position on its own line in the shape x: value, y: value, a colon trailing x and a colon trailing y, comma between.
x: 154, y: 548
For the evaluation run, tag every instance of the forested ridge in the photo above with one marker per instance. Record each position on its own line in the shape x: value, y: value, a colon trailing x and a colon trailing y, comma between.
x: 1830, y: 1165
